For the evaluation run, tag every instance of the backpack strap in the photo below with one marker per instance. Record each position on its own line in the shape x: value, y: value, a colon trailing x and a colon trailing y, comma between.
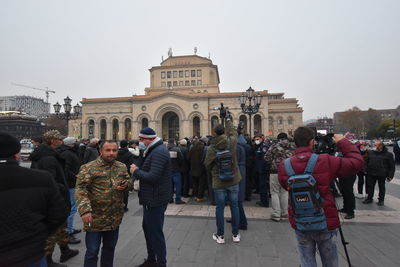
x: 289, y: 168
x: 311, y: 163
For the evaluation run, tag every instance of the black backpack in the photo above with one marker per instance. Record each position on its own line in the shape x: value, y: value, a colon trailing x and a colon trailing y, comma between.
x: 224, y: 161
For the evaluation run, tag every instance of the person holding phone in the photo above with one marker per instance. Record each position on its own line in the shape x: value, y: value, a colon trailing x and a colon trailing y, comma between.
x: 99, y: 196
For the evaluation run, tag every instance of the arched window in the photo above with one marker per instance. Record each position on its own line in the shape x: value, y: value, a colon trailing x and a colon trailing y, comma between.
x: 279, y: 121
x: 145, y: 123
x: 290, y: 120
x: 196, y: 126
x: 257, y: 124
x: 214, y: 121
x: 115, y: 129
x: 128, y: 129
x: 243, y: 119
x: 91, y: 128
x: 103, y: 129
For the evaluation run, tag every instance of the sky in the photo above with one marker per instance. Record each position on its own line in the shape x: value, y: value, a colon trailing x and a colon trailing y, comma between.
x: 329, y: 54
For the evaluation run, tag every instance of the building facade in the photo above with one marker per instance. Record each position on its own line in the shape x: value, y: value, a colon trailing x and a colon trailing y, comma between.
x: 20, y: 125
x: 182, y: 101
x: 29, y: 104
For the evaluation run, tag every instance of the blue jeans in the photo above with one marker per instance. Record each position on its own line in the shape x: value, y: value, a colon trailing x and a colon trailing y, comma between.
x: 70, y: 219
x: 177, y: 180
x: 221, y: 195
x: 326, y: 242
x: 153, y: 222
x: 93, y: 241
x: 40, y: 263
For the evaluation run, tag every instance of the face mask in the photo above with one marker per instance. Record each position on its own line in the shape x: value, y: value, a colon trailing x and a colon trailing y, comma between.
x: 142, y: 145
x: 257, y: 142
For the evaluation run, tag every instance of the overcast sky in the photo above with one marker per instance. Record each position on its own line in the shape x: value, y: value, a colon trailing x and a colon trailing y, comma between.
x: 330, y: 55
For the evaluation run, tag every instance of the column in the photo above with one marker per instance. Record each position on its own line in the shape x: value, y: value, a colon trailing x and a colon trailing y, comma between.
x: 85, y: 133
x: 96, y: 130
x: 109, y: 130
x: 121, y: 130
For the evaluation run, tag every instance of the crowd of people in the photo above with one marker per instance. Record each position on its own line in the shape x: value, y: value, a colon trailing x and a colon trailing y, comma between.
x: 94, y: 177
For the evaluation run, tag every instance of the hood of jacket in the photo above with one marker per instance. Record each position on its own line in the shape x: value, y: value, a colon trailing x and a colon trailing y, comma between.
x: 42, y: 151
x: 284, y: 143
x: 220, y: 142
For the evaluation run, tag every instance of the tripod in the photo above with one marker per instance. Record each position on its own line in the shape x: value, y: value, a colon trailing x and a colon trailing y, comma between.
x: 344, y: 242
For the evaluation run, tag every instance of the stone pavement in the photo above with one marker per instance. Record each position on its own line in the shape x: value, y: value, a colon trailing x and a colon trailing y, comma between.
x: 373, y: 235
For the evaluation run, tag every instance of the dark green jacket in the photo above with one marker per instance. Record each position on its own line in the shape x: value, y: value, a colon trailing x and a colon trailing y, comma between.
x: 220, y: 142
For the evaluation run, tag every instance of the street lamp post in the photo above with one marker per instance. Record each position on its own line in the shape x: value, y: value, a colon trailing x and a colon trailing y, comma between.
x: 250, y: 104
x: 67, y: 115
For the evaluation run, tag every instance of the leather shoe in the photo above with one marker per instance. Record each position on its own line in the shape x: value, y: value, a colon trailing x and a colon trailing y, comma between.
x: 73, y: 240
x: 349, y: 216
x: 76, y: 231
x: 367, y: 201
x: 148, y: 263
x: 67, y: 253
x: 178, y: 202
x: 380, y: 203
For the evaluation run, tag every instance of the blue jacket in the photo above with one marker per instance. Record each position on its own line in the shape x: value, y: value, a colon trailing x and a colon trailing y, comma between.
x: 155, y: 176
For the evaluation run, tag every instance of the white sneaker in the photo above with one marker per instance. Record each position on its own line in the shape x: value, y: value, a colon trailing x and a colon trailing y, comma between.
x: 360, y: 196
x: 236, y: 238
x: 219, y: 239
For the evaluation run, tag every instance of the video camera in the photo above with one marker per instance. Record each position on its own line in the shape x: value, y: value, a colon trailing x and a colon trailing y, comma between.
x: 324, y: 144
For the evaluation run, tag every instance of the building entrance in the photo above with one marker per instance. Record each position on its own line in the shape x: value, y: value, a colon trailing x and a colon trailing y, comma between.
x: 170, y: 125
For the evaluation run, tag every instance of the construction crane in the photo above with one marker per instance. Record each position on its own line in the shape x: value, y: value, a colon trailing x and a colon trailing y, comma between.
x: 40, y: 89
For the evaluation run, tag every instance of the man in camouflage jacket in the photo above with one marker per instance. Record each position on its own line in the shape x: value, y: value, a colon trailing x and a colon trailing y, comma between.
x: 99, y: 196
x: 283, y: 149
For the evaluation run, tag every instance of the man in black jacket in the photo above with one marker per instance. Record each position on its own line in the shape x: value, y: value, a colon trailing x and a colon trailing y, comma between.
x: 154, y: 194
x: 127, y: 158
x: 91, y: 151
x: 177, y: 160
x: 72, y: 164
x: 380, y: 167
x: 37, y: 208
x: 48, y: 159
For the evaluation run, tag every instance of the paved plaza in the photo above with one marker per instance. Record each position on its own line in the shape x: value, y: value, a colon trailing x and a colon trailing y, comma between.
x: 374, y: 237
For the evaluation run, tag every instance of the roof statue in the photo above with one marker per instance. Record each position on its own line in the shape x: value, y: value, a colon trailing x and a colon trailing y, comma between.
x: 170, y: 52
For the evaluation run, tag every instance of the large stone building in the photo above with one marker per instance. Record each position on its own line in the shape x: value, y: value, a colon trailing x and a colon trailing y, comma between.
x: 181, y: 102
x: 32, y: 105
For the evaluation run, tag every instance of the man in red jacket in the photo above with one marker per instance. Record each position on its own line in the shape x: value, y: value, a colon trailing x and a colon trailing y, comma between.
x: 327, y: 168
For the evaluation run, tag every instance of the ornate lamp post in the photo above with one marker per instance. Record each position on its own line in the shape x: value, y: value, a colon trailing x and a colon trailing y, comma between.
x: 67, y: 108
x: 250, y: 104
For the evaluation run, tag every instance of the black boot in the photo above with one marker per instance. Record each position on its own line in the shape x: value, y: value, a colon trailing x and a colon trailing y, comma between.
x: 148, y: 263
x: 51, y: 263
x: 67, y: 253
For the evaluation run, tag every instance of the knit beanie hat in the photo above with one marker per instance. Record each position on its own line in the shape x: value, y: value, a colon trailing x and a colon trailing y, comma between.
x: 282, y: 136
x: 183, y: 142
x: 147, y: 133
x: 9, y: 145
x: 123, y: 143
x: 69, y: 141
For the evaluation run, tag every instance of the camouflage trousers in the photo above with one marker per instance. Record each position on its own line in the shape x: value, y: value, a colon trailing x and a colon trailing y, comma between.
x: 60, y: 236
